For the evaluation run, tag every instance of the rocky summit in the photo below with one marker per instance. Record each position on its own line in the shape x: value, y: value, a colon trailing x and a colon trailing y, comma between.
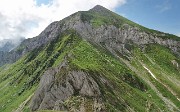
x: 92, y: 61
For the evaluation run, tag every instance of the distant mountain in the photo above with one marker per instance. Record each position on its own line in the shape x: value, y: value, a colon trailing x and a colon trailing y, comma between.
x: 92, y: 61
x: 7, y: 45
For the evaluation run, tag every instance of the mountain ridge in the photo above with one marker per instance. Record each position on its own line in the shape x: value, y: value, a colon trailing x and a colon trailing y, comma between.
x: 156, y: 36
x: 93, y: 62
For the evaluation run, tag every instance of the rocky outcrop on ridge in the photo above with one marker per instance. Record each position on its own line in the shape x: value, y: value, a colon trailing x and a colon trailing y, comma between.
x: 59, y: 84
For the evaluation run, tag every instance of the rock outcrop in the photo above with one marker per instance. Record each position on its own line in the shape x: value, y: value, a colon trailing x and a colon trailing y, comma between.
x: 59, y: 84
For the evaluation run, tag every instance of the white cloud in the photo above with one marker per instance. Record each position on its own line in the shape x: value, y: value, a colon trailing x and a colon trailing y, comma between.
x: 24, y: 18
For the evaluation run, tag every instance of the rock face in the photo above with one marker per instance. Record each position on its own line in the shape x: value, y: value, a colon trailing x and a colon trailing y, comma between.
x: 52, y: 31
x: 115, y: 38
x: 58, y: 84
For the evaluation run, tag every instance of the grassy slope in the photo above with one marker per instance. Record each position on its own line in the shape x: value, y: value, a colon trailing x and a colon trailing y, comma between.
x: 20, y: 79
x: 158, y: 60
x: 130, y: 91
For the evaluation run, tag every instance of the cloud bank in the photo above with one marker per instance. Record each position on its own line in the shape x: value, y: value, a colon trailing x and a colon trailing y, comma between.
x: 27, y: 18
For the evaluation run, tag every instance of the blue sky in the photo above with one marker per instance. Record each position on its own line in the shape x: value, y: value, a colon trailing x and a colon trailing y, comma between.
x: 162, y: 15
x: 39, y: 2
x: 28, y: 18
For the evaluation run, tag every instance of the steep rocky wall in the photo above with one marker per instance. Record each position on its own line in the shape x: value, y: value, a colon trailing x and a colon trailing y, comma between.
x: 59, y: 84
x: 116, y: 37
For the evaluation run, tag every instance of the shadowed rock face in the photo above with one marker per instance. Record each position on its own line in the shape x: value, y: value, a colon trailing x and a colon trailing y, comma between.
x: 59, y: 84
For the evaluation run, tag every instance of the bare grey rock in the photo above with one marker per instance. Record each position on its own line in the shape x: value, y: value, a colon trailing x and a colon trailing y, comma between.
x: 115, y: 38
x: 58, y: 84
x: 51, y: 32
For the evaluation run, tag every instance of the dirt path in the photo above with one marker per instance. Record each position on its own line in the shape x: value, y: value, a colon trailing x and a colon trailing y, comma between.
x: 150, y: 72
x: 20, y: 108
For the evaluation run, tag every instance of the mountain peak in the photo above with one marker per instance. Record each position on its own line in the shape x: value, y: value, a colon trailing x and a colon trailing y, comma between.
x: 98, y: 8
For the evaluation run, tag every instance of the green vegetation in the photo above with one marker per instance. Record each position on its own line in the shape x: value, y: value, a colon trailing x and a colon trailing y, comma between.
x: 159, y: 60
x: 125, y: 88
x: 19, y: 80
x: 128, y: 87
